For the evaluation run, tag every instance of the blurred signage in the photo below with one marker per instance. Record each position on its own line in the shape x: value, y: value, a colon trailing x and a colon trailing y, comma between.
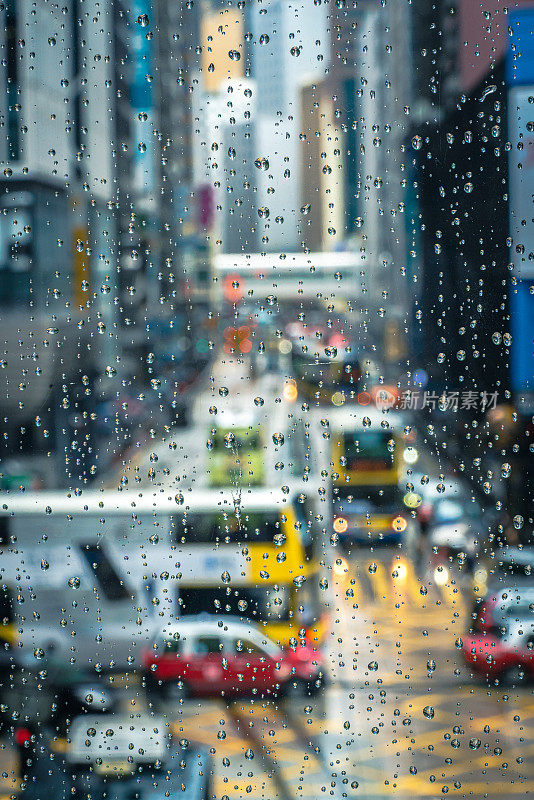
x: 394, y: 341
x: 80, y: 265
x: 206, y: 205
x: 222, y: 47
x: 521, y: 179
x: 141, y: 96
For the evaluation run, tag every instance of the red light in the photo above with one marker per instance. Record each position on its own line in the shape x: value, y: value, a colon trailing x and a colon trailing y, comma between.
x: 22, y: 735
x: 245, y: 346
x: 337, y: 340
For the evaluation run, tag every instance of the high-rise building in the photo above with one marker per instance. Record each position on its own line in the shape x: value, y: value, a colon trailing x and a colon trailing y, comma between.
x: 322, y: 177
x: 289, y: 48
x: 57, y: 236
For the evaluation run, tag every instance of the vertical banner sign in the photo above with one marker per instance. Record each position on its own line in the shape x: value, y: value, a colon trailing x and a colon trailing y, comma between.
x: 520, y: 105
x: 141, y: 97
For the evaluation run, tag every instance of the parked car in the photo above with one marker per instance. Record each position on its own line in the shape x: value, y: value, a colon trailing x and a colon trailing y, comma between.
x: 505, y: 652
x: 208, y: 655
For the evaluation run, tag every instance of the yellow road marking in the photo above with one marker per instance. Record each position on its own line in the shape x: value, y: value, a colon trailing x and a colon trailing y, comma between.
x: 379, y: 583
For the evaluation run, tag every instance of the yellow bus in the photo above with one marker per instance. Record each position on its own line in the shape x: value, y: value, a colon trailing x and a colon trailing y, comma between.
x: 367, y: 450
x: 254, y: 560
x: 124, y: 562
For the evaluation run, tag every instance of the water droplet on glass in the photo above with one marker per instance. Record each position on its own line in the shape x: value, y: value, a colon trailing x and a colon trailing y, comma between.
x: 428, y: 712
x: 234, y: 55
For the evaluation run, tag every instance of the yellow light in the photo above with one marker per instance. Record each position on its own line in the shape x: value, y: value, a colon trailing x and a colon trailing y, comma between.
x: 340, y: 567
x: 481, y: 575
x: 284, y: 346
x: 399, y: 524
x: 399, y: 571
x: 410, y: 455
x: 441, y: 576
x: 412, y: 500
x: 340, y: 525
x: 338, y: 399
x: 290, y: 392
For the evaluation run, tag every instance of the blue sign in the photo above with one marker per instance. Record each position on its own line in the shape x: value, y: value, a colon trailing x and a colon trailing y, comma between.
x: 522, y: 330
x: 520, y: 55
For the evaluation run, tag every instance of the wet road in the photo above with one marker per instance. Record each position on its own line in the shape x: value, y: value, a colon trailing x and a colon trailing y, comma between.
x: 402, y: 717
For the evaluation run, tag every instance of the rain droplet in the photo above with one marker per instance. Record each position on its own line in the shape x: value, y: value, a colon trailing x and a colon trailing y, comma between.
x: 488, y: 90
x: 223, y: 391
x: 372, y: 568
x: 262, y: 163
x: 428, y: 712
x: 259, y: 401
x: 225, y: 577
x: 417, y: 143
x: 74, y: 582
x: 229, y: 440
x: 234, y: 55
x: 143, y: 20
x: 278, y: 439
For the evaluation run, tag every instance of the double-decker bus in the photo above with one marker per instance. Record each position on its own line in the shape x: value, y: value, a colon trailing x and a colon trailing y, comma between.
x: 96, y: 574
x: 366, y: 449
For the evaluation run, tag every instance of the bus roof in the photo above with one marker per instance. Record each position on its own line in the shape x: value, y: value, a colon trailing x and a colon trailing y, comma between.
x: 130, y: 502
x: 351, y: 418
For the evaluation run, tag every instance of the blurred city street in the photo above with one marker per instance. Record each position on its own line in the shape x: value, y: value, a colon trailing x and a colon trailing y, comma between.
x: 266, y: 399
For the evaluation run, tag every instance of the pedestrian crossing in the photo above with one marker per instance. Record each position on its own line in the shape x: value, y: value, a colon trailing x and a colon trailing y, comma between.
x: 397, y: 583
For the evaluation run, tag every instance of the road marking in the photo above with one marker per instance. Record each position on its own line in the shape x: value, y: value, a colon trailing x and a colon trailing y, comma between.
x: 379, y: 583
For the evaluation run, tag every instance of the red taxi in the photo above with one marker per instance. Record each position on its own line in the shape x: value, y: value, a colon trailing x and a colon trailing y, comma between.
x: 505, y: 653
x: 212, y: 655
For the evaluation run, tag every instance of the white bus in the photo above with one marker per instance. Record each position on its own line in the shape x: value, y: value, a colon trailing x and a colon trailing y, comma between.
x: 96, y: 574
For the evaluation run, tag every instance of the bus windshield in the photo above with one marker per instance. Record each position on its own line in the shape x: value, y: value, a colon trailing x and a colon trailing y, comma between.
x: 242, y: 438
x: 367, y: 450
x: 367, y: 499
x: 224, y: 527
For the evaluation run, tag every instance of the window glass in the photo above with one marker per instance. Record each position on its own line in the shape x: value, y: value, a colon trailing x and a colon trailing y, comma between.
x: 266, y: 390
x: 205, y: 645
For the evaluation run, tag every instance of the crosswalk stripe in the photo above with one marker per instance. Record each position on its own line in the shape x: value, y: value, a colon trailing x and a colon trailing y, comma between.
x: 379, y: 583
